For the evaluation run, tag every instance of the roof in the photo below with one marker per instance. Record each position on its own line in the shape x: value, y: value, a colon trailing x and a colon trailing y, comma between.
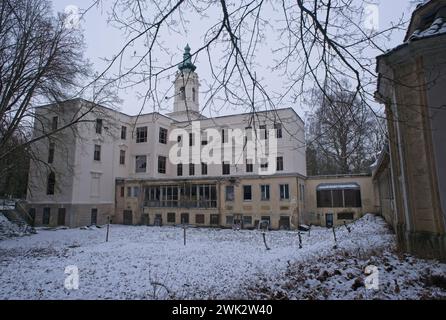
x: 337, y: 186
x: 428, y: 20
x: 437, y: 27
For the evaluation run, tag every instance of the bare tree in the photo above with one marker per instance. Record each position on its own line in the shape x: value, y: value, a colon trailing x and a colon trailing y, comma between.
x: 315, y: 42
x: 343, y: 133
x: 41, y: 62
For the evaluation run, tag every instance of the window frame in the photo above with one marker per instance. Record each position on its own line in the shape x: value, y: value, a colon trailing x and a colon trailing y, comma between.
x: 162, y: 164
x: 138, y: 170
x: 245, y: 193
x: 265, y: 194
x: 163, y: 134
x: 97, y: 152
x: 141, y: 134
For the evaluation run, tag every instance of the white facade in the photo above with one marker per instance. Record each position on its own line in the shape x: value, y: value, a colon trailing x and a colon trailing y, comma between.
x: 83, y: 183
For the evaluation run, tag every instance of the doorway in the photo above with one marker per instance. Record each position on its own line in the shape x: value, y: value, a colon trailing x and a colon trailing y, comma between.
x: 61, y: 217
x: 128, y: 217
x: 329, y: 220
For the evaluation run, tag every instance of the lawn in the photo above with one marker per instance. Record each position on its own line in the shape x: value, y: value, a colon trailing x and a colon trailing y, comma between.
x: 140, y: 262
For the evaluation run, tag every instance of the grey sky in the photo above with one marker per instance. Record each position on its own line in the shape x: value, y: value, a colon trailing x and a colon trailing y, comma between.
x: 103, y: 40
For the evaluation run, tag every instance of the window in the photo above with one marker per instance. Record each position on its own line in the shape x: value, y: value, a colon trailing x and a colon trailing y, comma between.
x: 94, y: 216
x: 279, y: 163
x: 171, y: 217
x: 140, y: 164
x: 263, y: 132
x: 249, y: 166
x: 122, y: 157
x: 46, y: 216
x: 345, y: 216
x: 129, y: 192
x: 247, y: 220
x: 339, y: 196
x: 184, y: 196
x: 182, y: 93
x: 191, y: 169
x: 199, y: 218
x: 179, y: 169
x: 214, y: 219
x: 51, y: 183
x: 163, y: 136
x: 284, y: 192
x: 352, y: 198
x: 247, y: 194
x: 98, y: 126
x: 230, y: 196
x: 338, y: 201
x: 264, y: 192
x: 123, y: 132
x: 224, y: 135
x: 278, y: 127
x: 226, y: 169
x: 229, y: 220
x: 185, y: 218
x: 204, y: 168
x: 135, y: 192
x: 267, y: 219
x: 162, y: 164
x: 179, y: 139
x: 141, y: 134
x: 204, y: 142
x: 191, y: 139
x: 122, y: 192
x: 323, y: 198
x: 51, y: 152
x: 32, y: 215
x: 61, y: 216
x: 302, y: 192
x: 54, y: 123
x: 264, y: 165
x: 97, y: 152
x: 193, y: 95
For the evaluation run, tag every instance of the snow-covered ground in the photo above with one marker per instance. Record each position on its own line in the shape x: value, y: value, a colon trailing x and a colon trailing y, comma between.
x: 153, y: 263
x: 9, y: 229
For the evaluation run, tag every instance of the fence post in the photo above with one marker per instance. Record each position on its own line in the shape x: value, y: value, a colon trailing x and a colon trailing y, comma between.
x: 335, y: 240
x: 108, y: 228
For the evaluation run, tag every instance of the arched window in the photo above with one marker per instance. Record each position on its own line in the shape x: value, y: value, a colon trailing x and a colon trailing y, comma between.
x: 193, y: 94
x: 51, y: 183
x: 182, y: 93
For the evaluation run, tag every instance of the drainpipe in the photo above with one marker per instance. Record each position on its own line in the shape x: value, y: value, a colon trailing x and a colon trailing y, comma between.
x: 402, y: 164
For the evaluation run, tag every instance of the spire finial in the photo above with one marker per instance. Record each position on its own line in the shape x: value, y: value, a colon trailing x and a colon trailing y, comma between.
x: 187, y: 61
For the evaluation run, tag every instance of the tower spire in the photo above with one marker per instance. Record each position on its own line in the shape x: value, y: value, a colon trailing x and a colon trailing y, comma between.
x: 187, y: 60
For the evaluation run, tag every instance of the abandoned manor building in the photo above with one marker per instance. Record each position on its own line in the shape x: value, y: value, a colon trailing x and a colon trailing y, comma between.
x: 112, y: 165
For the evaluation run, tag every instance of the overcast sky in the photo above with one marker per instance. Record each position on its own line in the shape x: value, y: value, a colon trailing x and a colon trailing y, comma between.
x: 103, y: 40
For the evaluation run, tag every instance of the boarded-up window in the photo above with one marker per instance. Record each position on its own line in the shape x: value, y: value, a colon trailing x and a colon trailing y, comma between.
x: 171, y: 217
x: 199, y: 218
